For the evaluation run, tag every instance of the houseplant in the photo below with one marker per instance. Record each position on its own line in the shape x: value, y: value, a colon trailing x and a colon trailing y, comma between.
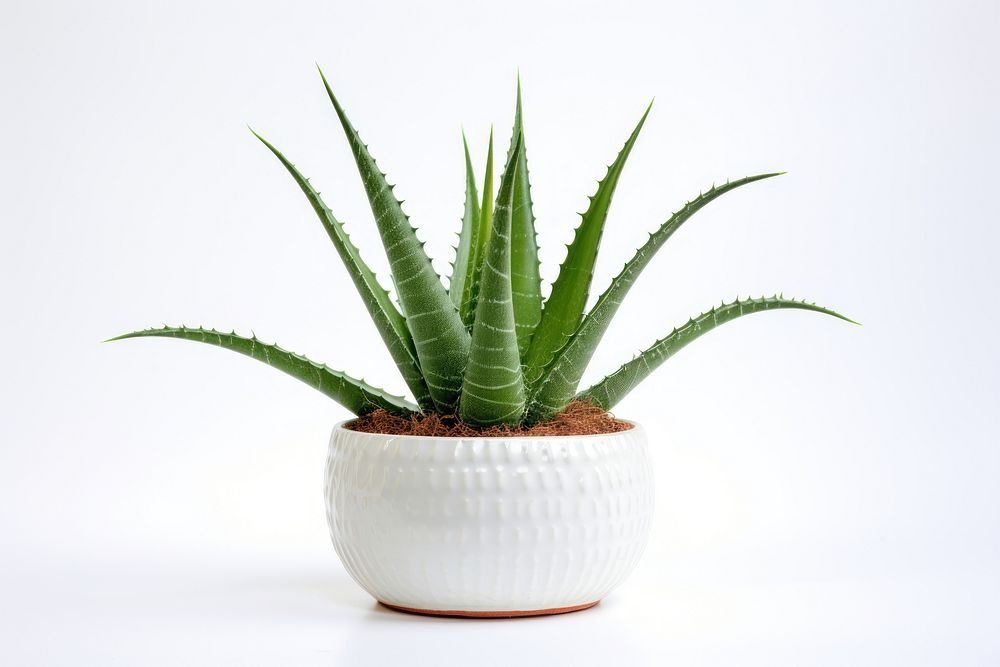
x: 502, y: 489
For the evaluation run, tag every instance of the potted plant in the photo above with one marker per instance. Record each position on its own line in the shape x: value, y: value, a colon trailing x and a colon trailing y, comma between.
x: 502, y: 489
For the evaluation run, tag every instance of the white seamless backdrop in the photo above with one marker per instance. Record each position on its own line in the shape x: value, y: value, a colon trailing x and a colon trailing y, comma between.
x: 827, y: 494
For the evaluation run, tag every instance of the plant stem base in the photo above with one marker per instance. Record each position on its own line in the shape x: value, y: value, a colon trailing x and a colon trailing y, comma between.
x: 489, y: 614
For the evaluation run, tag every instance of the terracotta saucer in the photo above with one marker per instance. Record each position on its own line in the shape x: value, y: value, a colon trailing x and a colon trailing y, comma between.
x: 457, y: 613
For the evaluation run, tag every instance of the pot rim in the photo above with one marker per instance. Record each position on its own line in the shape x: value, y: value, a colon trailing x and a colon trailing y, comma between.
x: 636, y: 427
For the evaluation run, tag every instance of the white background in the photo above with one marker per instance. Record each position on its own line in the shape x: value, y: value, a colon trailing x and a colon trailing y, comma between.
x: 827, y: 494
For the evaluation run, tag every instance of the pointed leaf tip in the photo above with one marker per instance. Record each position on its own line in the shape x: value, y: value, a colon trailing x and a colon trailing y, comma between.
x: 561, y: 378
x: 389, y: 321
x: 493, y: 387
x: 439, y: 336
x: 356, y: 395
x: 615, y: 386
x: 563, y: 310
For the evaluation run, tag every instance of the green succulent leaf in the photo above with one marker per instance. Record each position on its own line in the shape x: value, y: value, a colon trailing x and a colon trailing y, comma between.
x: 614, y: 387
x: 485, y: 229
x: 463, y: 273
x: 390, y: 323
x: 563, y: 377
x: 355, y: 395
x: 439, y: 335
x: 493, y: 391
x: 488, y: 349
x: 564, y: 307
x: 526, y: 282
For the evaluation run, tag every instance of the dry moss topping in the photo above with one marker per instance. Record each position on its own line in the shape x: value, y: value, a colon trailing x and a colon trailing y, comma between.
x: 579, y: 418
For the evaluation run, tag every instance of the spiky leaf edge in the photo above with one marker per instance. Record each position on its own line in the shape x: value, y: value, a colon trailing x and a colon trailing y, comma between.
x: 564, y: 308
x: 561, y: 381
x: 493, y: 388
x: 356, y: 395
x: 439, y: 335
x: 525, y: 276
x: 485, y: 229
x: 390, y: 323
x: 463, y: 268
x: 614, y: 387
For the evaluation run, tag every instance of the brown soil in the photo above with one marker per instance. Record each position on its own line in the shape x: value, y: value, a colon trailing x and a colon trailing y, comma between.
x: 579, y: 418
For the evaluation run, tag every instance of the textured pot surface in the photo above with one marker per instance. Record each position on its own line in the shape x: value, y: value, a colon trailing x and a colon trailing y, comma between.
x: 489, y: 524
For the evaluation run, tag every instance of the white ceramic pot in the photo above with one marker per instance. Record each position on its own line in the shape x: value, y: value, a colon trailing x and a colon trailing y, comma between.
x: 489, y: 526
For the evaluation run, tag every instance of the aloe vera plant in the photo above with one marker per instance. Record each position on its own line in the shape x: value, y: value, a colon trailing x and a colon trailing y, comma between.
x: 489, y: 348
